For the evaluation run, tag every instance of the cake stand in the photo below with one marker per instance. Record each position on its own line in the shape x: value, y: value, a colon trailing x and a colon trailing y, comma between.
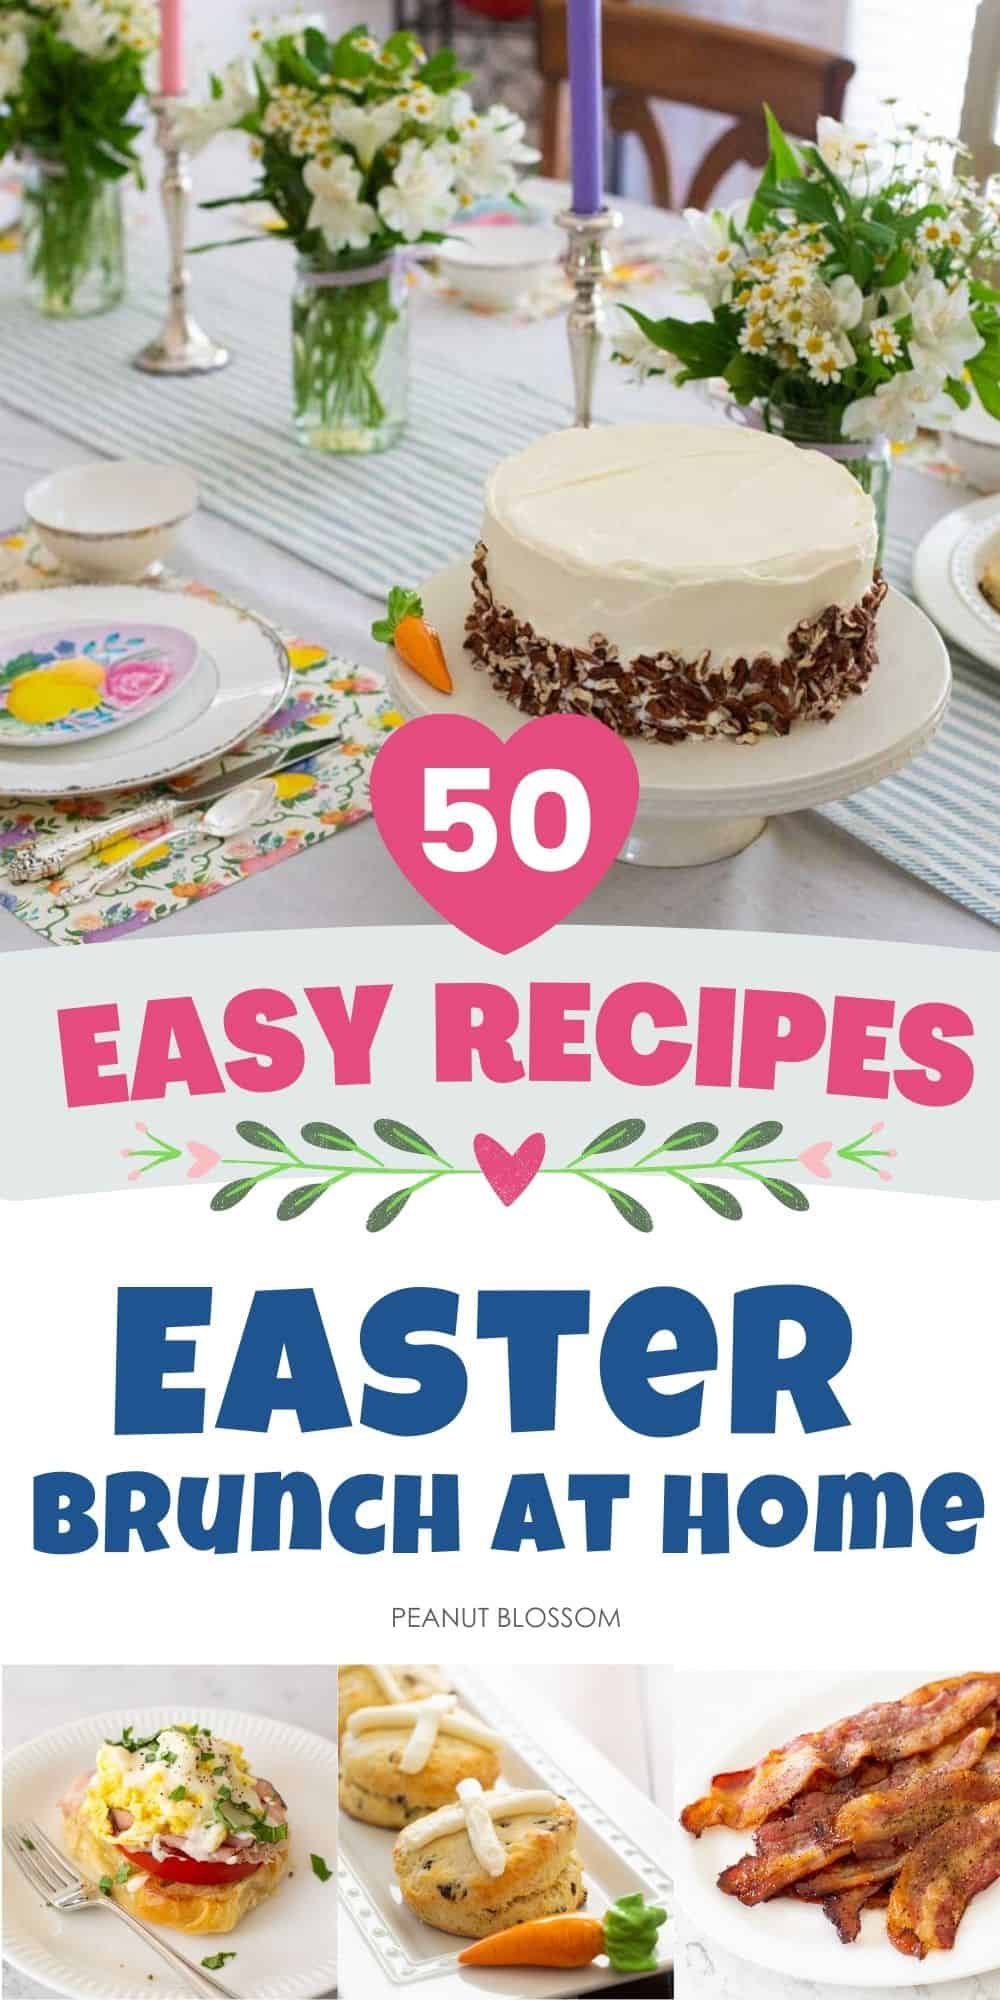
x: 704, y: 801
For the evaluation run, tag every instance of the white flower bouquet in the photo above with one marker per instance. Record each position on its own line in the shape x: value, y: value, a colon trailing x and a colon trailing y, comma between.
x: 365, y: 149
x: 846, y: 300
x: 71, y: 78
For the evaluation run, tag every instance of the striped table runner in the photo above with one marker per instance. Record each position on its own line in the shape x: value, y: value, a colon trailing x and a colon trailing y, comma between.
x: 403, y: 514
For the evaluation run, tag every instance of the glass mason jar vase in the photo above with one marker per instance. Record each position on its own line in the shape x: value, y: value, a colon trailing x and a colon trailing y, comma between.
x: 73, y: 236
x: 350, y: 339
x: 868, y: 461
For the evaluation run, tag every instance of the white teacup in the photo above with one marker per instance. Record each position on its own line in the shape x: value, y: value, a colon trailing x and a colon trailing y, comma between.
x: 112, y: 521
x: 496, y: 265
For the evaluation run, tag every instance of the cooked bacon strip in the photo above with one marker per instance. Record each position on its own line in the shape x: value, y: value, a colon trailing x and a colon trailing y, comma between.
x: 826, y: 1826
x: 939, y: 1879
x: 845, y: 1911
x: 864, y: 1870
x: 908, y: 1811
x: 891, y: 1730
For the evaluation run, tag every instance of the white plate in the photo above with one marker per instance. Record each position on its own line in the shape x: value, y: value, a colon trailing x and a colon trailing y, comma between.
x: 241, y: 678
x: 795, y: 1939
x: 691, y: 794
x: 400, y: 1951
x: 285, y: 1950
x: 941, y: 578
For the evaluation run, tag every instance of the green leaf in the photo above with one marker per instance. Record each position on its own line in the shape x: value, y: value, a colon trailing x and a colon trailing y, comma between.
x: 217, y: 1960
x: 614, y: 1137
x: 320, y: 1867
x: 630, y: 1210
x: 319, y: 1133
x: 897, y: 270
x: 386, y: 1211
x: 403, y: 1137
x: 719, y: 1199
x: 958, y: 392
x: 687, y: 1137
x: 298, y: 1199
x: 783, y: 156
x: 785, y: 1192
x: 985, y: 384
x: 234, y: 1191
x: 105, y: 1885
x: 401, y: 604
x: 763, y: 1134
x: 256, y: 1134
x: 702, y: 346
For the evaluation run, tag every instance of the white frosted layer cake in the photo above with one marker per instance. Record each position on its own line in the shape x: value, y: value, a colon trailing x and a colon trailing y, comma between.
x: 676, y: 580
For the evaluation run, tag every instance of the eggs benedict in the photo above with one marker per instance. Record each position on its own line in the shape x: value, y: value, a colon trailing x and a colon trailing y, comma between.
x: 177, y: 1829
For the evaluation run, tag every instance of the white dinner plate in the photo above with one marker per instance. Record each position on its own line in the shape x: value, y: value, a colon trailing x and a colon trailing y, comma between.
x: 390, y: 1949
x: 240, y: 679
x: 785, y: 1936
x: 286, y: 1949
x: 695, y: 797
x: 943, y: 577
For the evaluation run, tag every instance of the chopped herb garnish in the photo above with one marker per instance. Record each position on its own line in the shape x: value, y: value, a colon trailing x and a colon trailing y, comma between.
x: 168, y: 1757
x: 124, y: 1872
x: 319, y: 1867
x: 129, y: 1741
x: 217, y: 1960
x: 179, y: 1792
x: 105, y: 1885
x: 29, y: 1844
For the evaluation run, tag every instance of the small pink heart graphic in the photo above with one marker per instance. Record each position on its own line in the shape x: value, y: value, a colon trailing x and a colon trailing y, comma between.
x: 509, y: 1173
x: 562, y: 790
x: 814, y: 1159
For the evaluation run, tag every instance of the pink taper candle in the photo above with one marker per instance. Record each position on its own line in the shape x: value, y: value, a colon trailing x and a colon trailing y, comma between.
x: 172, y: 48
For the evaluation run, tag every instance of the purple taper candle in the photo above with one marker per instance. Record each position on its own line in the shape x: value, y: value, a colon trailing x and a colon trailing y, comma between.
x: 586, y: 105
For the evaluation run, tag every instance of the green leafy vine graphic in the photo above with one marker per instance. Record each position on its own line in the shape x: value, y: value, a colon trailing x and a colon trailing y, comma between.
x: 746, y: 1158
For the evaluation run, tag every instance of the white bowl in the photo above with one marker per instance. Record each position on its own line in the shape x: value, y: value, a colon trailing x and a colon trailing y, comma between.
x: 115, y: 520
x: 498, y: 264
x: 975, y: 447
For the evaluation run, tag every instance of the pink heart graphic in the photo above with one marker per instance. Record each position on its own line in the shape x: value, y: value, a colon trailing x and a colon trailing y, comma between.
x: 509, y: 1173
x: 506, y: 901
x: 814, y: 1159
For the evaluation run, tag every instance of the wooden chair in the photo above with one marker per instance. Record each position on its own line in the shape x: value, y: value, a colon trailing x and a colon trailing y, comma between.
x: 653, y: 53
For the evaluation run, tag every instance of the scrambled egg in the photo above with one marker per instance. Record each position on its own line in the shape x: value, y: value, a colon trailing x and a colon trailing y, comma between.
x: 173, y: 1785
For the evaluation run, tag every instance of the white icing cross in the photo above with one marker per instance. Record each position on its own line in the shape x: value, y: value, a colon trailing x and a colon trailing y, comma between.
x: 475, y: 1814
x: 433, y: 1713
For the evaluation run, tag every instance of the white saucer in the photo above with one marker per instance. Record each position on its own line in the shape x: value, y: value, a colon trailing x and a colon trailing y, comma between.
x: 942, y: 577
x: 703, y: 801
x: 240, y: 679
x: 285, y: 1950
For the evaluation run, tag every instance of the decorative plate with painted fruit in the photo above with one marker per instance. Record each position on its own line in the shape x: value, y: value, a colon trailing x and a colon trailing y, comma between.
x: 63, y: 683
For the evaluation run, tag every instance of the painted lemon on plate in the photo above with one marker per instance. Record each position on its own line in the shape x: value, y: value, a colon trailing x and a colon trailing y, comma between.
x: 49, y: 694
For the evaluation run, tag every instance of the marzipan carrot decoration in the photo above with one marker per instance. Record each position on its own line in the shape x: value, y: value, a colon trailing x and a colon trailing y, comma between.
x: 627, y: 1935
x: 418, y: 645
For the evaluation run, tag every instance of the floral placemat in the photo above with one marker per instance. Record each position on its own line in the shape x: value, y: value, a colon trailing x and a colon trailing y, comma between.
x: 310, y: 803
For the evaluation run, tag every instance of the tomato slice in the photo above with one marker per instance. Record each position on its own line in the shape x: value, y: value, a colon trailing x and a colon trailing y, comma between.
x: 183, y: 1868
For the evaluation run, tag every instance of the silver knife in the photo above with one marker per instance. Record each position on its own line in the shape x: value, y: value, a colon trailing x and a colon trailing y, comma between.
x: 42, y: 860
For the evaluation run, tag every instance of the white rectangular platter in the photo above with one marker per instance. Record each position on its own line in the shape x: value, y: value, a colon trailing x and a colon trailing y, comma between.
x: 622, y: 1843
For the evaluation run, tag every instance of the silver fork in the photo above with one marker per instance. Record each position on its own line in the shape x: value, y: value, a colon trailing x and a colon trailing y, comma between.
x: 61, y: 1886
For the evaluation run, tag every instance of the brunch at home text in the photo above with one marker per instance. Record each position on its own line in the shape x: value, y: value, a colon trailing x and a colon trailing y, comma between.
x: 286, y: 1360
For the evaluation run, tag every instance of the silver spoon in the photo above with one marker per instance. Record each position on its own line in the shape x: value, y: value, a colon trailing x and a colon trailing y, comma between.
x: 230, y: 814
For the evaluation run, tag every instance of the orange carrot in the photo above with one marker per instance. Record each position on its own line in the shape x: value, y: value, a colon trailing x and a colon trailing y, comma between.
x: 554, y: 1941
x: 419, y: 647
x: 627, y: 1933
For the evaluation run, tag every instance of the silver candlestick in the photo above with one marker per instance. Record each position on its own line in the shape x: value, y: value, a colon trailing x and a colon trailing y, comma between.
x: 180, y: 347
x: 587, y: 264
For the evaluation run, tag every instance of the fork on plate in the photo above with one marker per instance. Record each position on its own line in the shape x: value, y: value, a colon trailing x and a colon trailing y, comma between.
x: 63, y: 1888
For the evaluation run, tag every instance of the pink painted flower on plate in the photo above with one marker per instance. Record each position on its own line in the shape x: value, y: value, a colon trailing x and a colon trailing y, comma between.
x: 136, y: 680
